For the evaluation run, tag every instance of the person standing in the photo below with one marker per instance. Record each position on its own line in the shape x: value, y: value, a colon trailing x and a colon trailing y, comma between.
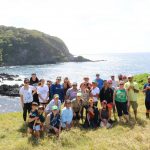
x: 43, y: 93
x: 72, y: 92
x: 66, y: 85
x: 146, y: 90
x: 34, y: 82
x: 99, y: 81
x: 120, y: 99
x: 133, y: 90
x: 26, y: 96
x: 114, y: 82
x: 86, y: 82
x: 106, y: 94
x: 95, y: 92
x: 57, y: 88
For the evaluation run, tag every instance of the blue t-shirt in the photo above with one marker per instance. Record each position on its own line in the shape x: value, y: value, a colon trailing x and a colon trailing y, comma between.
x: 147, y: 93
x: 100, y: 83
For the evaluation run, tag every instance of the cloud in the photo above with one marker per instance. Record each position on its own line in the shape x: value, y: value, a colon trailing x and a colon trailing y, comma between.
x: 85, y: 26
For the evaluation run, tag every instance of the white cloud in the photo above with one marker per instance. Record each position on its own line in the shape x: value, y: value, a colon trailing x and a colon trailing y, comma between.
x: 85, y: 26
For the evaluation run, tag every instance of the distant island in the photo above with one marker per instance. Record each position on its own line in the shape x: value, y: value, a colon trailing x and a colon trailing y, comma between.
x: 19, y: 46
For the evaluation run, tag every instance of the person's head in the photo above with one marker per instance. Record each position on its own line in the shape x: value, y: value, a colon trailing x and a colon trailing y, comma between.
x: 105, y: 84
x: 56, y: 97
x: 66, y: 80
x: 148, y: 79
x: 120, y: 77
x: 104, y: 104
x: 74, y: 85
x: 97, y: 75
x: 94, y: 84
x: 121, y: 84
x: 41, y: 109
x: 33, y: 76
x: 42, y: 82
x: 91, y: 102
x: 54, y: 109
x: 34, y: 105
x: 49, y: 83
x: 130, y: 78
x: 68, y: 103
x: 112, y: 77
x: 109, y: 83
x: 79, y: 94
x: 86, y: 79
x: 26, y: 82
x: 58, y: 80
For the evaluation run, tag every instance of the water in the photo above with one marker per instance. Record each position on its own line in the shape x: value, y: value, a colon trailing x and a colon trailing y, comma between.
x: 125, y: 63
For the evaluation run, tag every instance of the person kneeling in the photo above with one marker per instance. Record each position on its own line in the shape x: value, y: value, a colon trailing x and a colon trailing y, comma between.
x: 33, y: 117
x: 104, y: 116
x: 53, y: 124
x: 91, y: 115
x: 67, y: 115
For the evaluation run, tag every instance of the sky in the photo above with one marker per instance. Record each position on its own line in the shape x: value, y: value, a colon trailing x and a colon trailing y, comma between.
x: 86, y: 26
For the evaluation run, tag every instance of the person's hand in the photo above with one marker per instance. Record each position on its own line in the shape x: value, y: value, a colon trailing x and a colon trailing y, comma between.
x: 36, y: 118
x: 74, y: 114
x: 56, y: 130
x: 128, y: 104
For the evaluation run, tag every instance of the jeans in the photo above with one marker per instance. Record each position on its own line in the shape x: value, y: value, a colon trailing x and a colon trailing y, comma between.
x: 26, y: 108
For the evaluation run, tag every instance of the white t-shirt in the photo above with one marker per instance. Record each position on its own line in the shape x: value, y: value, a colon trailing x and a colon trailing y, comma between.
x: 27, y: 94
x: 43, y: 90
x: 114, y: 84
x: 94, y: 92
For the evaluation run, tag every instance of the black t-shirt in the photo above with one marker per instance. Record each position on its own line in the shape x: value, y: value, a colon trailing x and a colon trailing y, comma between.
x: 33, y: 114
x: 106, y: 94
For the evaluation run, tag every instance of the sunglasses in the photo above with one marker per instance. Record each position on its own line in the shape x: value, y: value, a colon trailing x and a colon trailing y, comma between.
x: 26, y: 82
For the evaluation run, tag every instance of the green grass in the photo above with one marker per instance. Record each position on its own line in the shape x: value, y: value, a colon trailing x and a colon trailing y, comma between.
x: 125, y: 137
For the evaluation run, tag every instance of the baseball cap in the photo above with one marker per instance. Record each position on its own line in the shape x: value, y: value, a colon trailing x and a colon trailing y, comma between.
x: 130, y: 76
x: 104, y: 102
x: 74, y: 83
x: 109, y: 81
x: 54, y: 107
x: 34, y: 103
x: 56, y: 96
x: 68, y: 101
x: 41, y: 107
x: 58, y: 78
x: 148, y: 77
x: 94, y: 81
x: 79, y: 94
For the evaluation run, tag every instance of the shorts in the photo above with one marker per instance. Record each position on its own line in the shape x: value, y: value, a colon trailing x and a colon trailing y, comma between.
x: 121, y: 107
x: 147, y: 105
x: 37, y: 128
x: 110, y: 105
x: 134, y: 105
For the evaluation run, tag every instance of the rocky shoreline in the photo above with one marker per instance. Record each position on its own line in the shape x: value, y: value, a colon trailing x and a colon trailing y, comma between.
x: 9, y: 90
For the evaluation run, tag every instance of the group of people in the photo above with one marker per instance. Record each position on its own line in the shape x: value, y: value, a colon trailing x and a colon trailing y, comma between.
x: 52, y: 107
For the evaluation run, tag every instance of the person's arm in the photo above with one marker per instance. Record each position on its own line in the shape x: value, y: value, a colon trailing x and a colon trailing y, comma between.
x: 114, y: 96
x: 21, y: 100
x: 136, y: 88
x: 47, y: 122
x: 128, y: 100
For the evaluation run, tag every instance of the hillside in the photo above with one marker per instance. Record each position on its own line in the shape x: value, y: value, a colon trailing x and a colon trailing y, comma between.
x: 121, y: 136
x: 19, y: 46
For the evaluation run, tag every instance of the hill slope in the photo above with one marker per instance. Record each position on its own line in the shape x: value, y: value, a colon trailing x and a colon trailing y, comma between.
x: 20, y: 46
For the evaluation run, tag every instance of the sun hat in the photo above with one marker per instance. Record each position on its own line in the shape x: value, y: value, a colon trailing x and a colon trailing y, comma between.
x: 74, y: 83
x: 109, y: 81
x: 34, y: 103
x: 41, y: 107
x: 79, y: 94
x: 90, y: 100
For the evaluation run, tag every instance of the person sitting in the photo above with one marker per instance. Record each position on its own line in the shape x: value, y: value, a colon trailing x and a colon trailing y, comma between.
x: 104, y: 116
x: 54, y: 101
x: 67, y: 115
x: 33, y: 116
x: 53, y: 122
x: 91, y: 115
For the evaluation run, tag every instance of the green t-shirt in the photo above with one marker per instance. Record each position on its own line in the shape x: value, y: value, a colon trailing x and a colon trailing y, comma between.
x: 121, y: 95
x: 132, y: 95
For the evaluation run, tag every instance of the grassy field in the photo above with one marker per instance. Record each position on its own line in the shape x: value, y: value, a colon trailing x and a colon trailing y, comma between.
x: 125, y: 137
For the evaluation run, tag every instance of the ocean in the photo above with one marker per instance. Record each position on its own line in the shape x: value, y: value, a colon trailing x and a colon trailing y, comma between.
x: 115, y: 63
